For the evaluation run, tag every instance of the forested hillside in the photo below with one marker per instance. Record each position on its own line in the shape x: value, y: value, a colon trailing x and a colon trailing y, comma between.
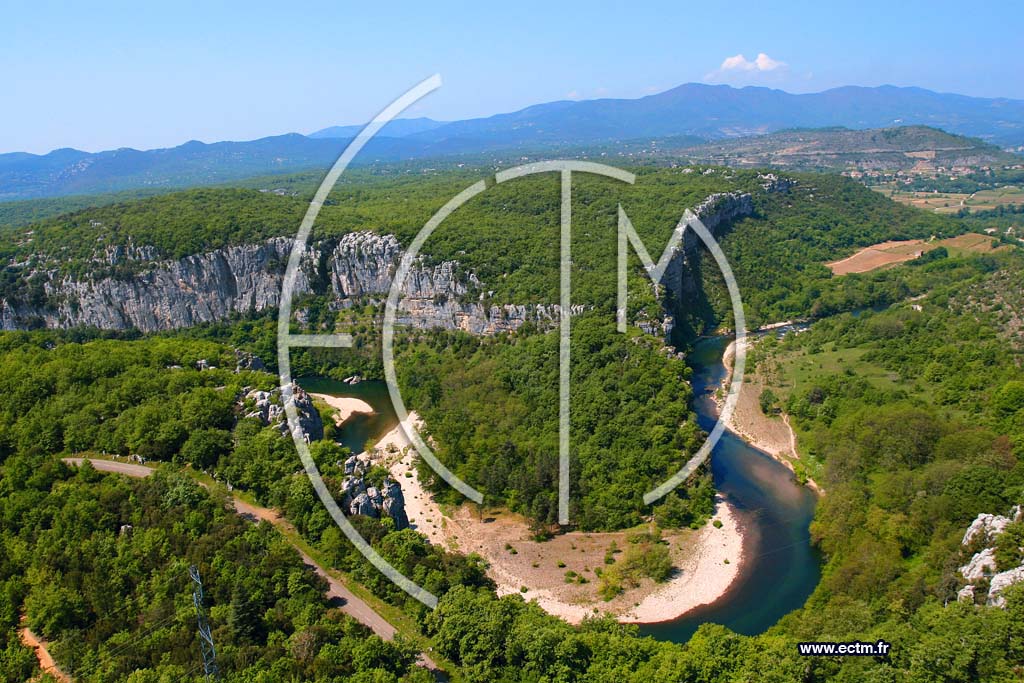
x: 893, y: 583
x: 492, y: 408
x: 507, y: 237
x: 909, y: 460
x: 99, y: 567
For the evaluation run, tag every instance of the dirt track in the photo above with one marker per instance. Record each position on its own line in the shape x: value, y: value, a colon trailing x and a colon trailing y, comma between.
x: 38, y: 645
x: 351, y: 604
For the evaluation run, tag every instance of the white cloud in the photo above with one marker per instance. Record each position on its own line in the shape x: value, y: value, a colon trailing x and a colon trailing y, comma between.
x: 738, y: 66
x: 572, y: 95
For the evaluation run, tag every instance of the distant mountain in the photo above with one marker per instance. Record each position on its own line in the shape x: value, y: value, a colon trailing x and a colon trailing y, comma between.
x: 902, y: 148
x: 398, y: 128
x: 70, y: 171
x: 704, y: 111
x: 718, y: 111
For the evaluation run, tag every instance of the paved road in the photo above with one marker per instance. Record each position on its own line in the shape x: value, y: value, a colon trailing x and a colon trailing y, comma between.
x: 351, y: 604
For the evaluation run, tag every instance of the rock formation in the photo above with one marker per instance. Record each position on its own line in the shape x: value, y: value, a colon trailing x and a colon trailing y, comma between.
x: 208, y: 287
x: 161, y: 295
x: 681, y: 284
x: 268, y: 407
x: 982, y: 564
x: 1000, y: 582
x: 359, y: 499
x: 986, y: 527
x: 984, y: 531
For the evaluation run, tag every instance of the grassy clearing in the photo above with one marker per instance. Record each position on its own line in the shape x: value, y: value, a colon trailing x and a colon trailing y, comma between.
x: 802, y: 371
x: 936, y: 202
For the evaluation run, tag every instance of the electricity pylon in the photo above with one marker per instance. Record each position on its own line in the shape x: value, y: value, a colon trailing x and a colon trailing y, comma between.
x: 205, y: 639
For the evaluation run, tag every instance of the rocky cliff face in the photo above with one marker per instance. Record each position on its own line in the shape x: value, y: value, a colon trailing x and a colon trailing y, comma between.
x: 681, y: 285
x: 208, y: 287
x: 169, y: 294
x: 163, y: 295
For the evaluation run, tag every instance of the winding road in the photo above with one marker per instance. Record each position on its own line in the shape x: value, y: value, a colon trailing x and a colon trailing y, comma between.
x: 351, y: 603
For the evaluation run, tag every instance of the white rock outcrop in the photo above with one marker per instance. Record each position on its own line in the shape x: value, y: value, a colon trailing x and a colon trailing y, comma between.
x: 984, y: 530
x: 268, y: 407
x: 982, y: 564
x: 1000, y: 582
x: 987, y: 527
x: 170, y: 294
x: 154, y: 295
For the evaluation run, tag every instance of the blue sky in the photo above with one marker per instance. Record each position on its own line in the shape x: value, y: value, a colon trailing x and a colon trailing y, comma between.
x: 149, y: 75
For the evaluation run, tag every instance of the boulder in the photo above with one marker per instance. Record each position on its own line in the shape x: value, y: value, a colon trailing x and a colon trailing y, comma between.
x: 1000, y: 582
x: 986, y: 527
x: 362, y: 505
x: 394, y: 504
x: 248, y: 361
x: 350, y: 488
x: 981, y: 564
x: 376, y: 498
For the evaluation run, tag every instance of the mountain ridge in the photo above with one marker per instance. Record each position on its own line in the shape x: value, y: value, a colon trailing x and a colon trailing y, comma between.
x: 710, y: 112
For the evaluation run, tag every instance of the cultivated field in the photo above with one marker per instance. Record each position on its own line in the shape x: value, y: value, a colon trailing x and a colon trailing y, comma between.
x: 878, y: 256
x: 951, y: 202
x: 990, y: 199
x: 938, y: 202
x: 890, y: 253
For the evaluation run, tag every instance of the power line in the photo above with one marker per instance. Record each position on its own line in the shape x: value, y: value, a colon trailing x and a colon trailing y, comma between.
x: 206, y: 647
x: 133, y: 640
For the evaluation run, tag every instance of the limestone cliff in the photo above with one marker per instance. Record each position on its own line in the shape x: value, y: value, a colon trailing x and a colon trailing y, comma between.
x: 156, y: 295
x: 164, y: 295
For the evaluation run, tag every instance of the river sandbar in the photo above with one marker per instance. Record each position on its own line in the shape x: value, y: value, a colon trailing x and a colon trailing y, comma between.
x: 708, y: 560
x: 344, y: 406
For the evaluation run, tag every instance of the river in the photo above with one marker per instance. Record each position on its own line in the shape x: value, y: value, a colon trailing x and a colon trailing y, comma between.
x: 361, y: 427
x: 780, y: 569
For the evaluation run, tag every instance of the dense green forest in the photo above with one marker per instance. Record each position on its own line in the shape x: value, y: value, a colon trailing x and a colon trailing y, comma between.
x: 907, y: 468
x: 507, y: 236
x: 490, y: 639
x: 908, y: 462
x: 98, y: 564
x: 491, y: 405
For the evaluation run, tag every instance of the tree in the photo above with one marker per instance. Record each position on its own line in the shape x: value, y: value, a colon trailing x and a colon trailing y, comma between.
x: 1009, y: 399
x: 17, y: 662
x: 768, y: 402
x: 205, y: 447
x: 245, y: 620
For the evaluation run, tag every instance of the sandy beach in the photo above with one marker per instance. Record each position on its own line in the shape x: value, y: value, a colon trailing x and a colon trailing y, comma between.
x: 708, y: 560
x: 344, y: 407
x: 773, y: 435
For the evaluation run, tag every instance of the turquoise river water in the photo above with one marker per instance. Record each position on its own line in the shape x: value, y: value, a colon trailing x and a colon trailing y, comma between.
x: 780, y: 568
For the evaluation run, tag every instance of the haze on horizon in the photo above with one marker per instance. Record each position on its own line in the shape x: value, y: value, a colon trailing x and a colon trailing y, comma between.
x: 150, y: 77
